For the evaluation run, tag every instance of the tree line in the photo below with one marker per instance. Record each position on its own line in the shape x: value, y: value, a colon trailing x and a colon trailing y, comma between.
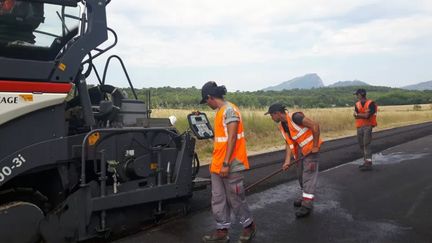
x: 169, y: 97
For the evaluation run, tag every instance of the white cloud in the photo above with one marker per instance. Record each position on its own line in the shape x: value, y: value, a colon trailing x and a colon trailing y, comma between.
x: 157, y: 34
x: 386, y: 35
x: 209, y: 12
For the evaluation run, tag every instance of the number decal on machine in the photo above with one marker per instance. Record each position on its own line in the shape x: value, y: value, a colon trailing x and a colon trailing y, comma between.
x: 7, y: 170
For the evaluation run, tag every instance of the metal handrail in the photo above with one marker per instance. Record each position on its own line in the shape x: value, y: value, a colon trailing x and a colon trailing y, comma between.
x: 124, y: 70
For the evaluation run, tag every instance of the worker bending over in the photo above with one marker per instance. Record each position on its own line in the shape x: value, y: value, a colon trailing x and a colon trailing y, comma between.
x: 302, y: 137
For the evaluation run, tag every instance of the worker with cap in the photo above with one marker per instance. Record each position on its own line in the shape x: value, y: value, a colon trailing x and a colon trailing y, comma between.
x: 228, y: 160
x: 365, y: 112
x: 302, y: 137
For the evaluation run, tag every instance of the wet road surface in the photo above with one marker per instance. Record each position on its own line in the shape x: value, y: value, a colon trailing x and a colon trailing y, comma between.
x: 392, y: 203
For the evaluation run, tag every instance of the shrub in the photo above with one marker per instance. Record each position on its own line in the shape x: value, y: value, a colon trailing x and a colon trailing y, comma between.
x: 417, y: 107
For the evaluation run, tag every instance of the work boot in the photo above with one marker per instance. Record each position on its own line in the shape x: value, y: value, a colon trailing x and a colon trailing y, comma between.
x: 248, y: 233
x: 302, y: 212
x: 297, y: 203
x: 219, y: 236
x: 366, y: 166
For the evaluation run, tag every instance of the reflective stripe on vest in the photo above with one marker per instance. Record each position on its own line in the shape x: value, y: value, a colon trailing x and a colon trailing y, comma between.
x: 306, y: 141
x: 300, y: 130
x: 290, y: 143
x: 225, y: 139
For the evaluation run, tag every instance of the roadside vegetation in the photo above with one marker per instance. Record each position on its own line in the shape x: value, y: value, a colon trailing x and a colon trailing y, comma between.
x: 262, y: 134
x: 327, y: 97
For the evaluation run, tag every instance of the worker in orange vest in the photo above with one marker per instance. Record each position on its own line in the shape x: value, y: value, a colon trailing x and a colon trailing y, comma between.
x: 302, y: 137
x: 365, y: 112
x: 228, y: 160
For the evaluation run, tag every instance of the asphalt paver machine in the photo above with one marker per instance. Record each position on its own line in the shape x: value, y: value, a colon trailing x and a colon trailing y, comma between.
x: 77, y: 161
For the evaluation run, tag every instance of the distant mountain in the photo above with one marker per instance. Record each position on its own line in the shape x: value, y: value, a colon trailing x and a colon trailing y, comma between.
x: 349, y: 83
x: 420, y: 86
x: 307, y: 81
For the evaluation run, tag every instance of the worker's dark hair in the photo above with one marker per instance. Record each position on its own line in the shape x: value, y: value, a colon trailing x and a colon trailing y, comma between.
x: 276, y: 107
x: 219, y: 92
x: 361, y: 92
x: 212, y: 89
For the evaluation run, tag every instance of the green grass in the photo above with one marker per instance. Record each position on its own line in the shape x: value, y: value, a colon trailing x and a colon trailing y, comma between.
x: 262, y: 134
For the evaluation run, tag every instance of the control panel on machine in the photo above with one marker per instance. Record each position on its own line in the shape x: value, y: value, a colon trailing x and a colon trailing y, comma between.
x: 200, y: 125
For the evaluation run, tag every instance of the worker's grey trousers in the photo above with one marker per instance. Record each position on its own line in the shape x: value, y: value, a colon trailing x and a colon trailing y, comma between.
x: 307, y: 173
x: 364, y: 136
x: 228, y: 195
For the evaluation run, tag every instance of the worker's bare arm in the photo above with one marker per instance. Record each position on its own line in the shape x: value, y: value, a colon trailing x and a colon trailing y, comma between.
x: 365, y: 115
x: 288, y: 154
x: 232, y: 128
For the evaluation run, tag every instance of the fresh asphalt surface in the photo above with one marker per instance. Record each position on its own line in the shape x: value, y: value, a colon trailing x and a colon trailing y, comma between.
x: 392, y: 203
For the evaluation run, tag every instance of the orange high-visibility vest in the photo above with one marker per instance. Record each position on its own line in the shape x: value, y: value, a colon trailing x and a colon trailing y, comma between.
x: 301, y: 137
x: 221, y: 141
x: 371, y: 121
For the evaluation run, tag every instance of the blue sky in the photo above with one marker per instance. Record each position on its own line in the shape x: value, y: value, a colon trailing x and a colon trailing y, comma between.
x: 249, y: 45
